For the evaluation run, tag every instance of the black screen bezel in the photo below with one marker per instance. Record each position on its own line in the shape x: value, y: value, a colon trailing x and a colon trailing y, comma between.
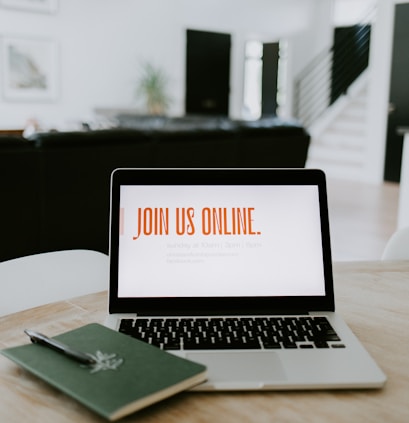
x: 218, y: 305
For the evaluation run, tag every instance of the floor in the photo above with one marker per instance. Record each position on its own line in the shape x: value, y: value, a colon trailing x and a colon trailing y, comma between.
x: 362, y: 218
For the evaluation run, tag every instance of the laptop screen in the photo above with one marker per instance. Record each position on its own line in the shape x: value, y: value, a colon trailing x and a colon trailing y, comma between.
x: 186, y: 235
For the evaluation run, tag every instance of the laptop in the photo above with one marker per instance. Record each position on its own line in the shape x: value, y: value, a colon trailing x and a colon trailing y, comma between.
x: 232, y: 268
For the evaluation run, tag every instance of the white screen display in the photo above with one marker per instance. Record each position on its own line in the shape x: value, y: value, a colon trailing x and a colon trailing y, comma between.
x: 211, y: 241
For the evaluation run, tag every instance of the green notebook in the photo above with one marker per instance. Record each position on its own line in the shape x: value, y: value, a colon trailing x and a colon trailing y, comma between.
x: 129, y: 374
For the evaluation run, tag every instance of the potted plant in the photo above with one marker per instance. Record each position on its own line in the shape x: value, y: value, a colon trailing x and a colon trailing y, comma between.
x: 152, y: 85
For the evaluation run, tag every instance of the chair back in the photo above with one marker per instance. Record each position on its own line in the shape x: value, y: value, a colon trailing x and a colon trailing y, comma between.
x: 397, y: 248
x: 39, y: 279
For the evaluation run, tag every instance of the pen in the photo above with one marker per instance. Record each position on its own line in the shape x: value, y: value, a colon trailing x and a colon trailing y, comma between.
x: 39, y: 338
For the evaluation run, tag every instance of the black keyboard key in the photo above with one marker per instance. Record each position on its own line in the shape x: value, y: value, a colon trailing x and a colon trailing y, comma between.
x: 174, y: 347
x: 321, y: 344
x: 292, y: 345
x: 126, y: 325
x: 306, y: 346
x: 272, y: 345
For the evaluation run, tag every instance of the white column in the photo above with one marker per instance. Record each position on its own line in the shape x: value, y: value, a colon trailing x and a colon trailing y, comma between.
x: 403, y: 210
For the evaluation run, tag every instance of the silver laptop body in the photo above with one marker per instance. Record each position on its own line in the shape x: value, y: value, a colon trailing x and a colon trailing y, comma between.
x: 194, y: 244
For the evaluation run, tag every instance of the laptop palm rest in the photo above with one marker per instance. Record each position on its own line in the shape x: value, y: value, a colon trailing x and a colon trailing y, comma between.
x: 230, y: 370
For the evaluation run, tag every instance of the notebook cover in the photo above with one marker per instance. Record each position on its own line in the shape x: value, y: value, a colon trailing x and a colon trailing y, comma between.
x: 129, y: 374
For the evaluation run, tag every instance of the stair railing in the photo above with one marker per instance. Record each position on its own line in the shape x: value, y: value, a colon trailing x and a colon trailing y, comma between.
x: 331, y: 72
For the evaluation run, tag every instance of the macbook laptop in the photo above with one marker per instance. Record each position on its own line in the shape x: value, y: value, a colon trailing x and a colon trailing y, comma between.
x: 232, y: 268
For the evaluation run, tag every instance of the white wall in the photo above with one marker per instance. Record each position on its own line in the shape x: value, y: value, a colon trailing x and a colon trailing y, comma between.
x: 349, y: 12
x: 102, y: 42
x: 304, y: 45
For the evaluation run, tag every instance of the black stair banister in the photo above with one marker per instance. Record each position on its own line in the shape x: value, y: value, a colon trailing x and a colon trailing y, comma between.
x: 331, y: 72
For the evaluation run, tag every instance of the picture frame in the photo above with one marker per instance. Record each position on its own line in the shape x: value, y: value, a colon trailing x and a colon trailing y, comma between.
x: 41, y: 6
x: 30, y: 69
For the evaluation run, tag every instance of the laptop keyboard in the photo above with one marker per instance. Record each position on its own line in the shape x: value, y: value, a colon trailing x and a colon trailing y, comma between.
x: 234, y: 332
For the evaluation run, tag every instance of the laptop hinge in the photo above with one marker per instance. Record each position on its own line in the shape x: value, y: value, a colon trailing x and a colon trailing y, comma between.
x: 222, y: 313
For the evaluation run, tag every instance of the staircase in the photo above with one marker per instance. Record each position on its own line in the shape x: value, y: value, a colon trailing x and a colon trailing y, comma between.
x: 331, y: 101
x: 338, y: 138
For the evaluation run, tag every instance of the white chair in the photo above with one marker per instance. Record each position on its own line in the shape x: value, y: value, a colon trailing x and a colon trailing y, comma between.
x: 44, y: 278
x: 397, y: 248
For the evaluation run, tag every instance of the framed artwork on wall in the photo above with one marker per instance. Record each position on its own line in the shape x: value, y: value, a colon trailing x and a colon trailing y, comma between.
x: 30, y: 69
x: 42, y: 6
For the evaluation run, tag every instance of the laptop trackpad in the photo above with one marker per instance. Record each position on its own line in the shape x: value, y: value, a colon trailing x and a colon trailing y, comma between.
x: 240, y: 368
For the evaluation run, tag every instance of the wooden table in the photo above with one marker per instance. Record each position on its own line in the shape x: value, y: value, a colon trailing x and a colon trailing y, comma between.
x: 373, y: 297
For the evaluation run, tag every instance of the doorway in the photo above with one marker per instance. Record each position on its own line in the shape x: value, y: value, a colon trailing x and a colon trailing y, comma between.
x: 207, y: 73
x: 398, y: 94
x: 269, y: 79
x: 261, y: 75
